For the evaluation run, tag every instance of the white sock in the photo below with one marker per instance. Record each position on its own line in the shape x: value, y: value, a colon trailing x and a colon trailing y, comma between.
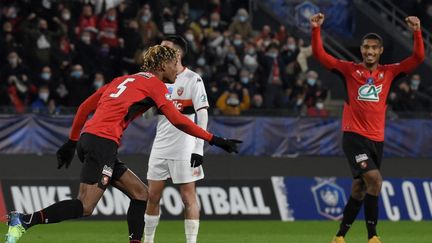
x: 191, y: 230
x: 151, y: 222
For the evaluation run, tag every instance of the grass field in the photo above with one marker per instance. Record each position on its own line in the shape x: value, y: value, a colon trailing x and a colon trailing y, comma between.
x: 228, y: 232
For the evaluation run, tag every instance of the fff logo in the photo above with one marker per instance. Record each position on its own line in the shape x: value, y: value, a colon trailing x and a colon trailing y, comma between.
x: 329, y: 198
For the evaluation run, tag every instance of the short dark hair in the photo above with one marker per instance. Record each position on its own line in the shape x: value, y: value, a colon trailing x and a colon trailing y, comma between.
x: 373, y: 36
x: 179, y: 41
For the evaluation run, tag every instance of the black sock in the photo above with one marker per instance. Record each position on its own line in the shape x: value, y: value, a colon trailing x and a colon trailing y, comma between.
x: 67, y: 209
x: 135, y: 219
x: 350, y: 212
x: 371, y: 214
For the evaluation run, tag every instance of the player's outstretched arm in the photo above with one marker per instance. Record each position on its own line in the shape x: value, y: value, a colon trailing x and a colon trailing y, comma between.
x: 418, y: 53
x: 66, y: 152
x: 317, y: 46
x: 187, y: 126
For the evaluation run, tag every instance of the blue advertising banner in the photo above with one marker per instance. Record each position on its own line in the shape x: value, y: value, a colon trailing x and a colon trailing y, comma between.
x: 324, y: 198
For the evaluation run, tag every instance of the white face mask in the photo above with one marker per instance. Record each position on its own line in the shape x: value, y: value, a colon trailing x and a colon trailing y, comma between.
x: 292, y: 47
x: 66, y: 16
x: 44, y: 96
x: 189, y: 37
x: 86, y: 39
x: 233, y: 101
x: 415, y: 83
x: 319, y: 105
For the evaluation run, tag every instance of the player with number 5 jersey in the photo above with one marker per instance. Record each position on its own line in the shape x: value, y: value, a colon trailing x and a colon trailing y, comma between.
x: 116, y: 105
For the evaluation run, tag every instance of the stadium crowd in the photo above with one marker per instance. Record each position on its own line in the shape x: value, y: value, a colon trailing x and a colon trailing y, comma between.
x: 54, y: 54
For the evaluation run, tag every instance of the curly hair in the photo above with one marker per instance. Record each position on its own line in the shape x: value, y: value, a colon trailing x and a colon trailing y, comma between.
x: 156, y: 56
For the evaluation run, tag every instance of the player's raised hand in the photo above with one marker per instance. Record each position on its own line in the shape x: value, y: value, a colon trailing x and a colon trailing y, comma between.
x: 65, y: 154
x: 229, y: 145
x: 317, y: 20
x: 413, y: 23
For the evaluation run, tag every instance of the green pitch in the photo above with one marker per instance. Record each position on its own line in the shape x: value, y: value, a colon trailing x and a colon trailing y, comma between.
x: 228, y: 231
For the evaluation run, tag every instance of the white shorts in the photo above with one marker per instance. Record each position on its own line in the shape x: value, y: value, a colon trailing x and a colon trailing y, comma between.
x: 180, y: 171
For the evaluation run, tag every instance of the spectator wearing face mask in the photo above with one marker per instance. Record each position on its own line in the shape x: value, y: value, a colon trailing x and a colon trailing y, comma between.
x: 14, y: 66
x: 77, y: 85
x: 132, y: 47
x: 216, y: 24
x: 86, y: 51
x: 108, y: 29
x: 87, y: 22
x: 148, y: 29
x: 250, y: 60
x: 314, y: 89
x: 230, y: 103
x: 99, y: 81
x: 238, y: 44
x: 241, y: 24
x: 272, y: 77
x: 289, y: 55
x: 40, y: 40
x: 44, y: 104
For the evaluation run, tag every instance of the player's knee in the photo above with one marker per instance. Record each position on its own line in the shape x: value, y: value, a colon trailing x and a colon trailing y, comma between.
x: 188, y: 198
x: 154, y: 197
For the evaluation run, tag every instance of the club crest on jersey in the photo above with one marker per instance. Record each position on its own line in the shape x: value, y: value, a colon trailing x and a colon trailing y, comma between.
x: 180, y: 91
x: 369, y: 92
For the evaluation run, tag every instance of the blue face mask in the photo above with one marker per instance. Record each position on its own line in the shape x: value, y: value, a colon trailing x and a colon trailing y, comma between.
x: 242, y: 19
x: 76, y: 74
x: 272, y: 54
x: 145, y: 18
x: 98, y: 83
x: 311, y: 81
x: 111, y: 17
x: 45, y: 76
x: 237, y: 42
x: 244, y: 80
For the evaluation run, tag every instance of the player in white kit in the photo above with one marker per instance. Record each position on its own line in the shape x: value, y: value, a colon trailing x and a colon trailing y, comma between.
x: 175, y: 154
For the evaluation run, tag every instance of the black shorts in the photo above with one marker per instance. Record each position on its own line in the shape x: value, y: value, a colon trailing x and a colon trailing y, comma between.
x: 100, y: 162
x: 362, y: 153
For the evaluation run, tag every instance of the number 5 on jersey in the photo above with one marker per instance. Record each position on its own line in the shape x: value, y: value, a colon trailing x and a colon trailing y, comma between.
x: 121, y: 88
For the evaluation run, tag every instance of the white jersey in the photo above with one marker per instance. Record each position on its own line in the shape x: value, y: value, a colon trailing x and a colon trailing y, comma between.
x: 188, y: 95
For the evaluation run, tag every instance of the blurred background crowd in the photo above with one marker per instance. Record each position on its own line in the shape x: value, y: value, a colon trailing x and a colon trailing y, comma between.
x: 54, y: 54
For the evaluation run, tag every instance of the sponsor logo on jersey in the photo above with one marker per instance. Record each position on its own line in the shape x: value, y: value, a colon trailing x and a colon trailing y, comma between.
x: 180, y: 91
x: 361, y: 157
x: 329, y: 198
x: 369, y: 92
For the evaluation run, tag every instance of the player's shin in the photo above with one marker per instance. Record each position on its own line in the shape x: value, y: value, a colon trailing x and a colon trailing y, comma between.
x: 371, y: 214
x: 350, y: 213
x: 151, y: 222
x: 191, y: 230
x: 67, y: 209
x: 135, y: 219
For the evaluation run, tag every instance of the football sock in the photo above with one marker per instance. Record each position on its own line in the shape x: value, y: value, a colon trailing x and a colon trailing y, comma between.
x: 191, y: 230
x: 135, y: 219
x: 151, y: 222
x: 67, y: 209
x: 350, y: 212
x: 371, y: 214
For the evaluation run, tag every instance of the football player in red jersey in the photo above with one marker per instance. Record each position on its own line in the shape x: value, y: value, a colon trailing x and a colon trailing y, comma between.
x: 367, y: 86
x: 119, y: 102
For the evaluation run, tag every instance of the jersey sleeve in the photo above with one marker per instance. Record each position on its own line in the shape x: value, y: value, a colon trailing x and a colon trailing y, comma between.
x: 199, y: 95
x: 410, y: 63
x: 84, y: 110
x: 323, y: 57
x: 183, y: 123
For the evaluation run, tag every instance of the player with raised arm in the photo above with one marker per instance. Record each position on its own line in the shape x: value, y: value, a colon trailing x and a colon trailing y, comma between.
x: 175, y: 154
x: 124, y: 99
x: 367, y: 86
